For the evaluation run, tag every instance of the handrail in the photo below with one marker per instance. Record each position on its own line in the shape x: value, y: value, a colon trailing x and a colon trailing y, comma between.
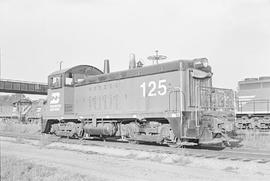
x: 178, y: 89
x: 214, y: 99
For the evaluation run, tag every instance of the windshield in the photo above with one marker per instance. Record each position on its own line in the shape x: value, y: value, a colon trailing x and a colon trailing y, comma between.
x: 55, y: 81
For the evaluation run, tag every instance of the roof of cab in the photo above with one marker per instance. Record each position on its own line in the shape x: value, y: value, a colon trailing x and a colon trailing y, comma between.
x: 83, y: 69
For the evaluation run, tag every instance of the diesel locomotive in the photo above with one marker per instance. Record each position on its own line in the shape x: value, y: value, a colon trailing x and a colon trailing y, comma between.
x: 253, y: 103
x: 171, y: 103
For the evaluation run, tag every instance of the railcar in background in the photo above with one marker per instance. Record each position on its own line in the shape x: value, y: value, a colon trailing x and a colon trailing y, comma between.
x: 253, y: 104
x: 170, y: 103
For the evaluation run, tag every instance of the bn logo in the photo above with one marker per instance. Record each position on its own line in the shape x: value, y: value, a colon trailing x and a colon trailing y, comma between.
x: 55, y: 98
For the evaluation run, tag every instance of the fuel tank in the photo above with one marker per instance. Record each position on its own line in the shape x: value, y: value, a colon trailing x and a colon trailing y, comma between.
x: 106, y: 129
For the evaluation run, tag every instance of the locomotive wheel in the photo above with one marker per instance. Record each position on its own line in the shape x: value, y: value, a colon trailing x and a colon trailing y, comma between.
x: 81, y: 134
x: 129, y: 130
x: 165, y: 131
x: 168, y: 137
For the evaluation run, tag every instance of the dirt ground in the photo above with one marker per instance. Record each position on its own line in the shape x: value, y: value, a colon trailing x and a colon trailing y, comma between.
x: 49, y: 163
x: 42, y: 160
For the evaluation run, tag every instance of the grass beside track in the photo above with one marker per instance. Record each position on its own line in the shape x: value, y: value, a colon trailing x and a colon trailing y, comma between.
x: 16, y: 127
x: 24, y: 170
x: 255, y: 139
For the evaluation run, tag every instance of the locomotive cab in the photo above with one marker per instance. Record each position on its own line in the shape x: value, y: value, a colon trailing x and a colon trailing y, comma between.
x: 60, y: 100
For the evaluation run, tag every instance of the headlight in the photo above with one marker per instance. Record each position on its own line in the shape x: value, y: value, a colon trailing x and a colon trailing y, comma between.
x: 204, y: 62
x: 199, y: 63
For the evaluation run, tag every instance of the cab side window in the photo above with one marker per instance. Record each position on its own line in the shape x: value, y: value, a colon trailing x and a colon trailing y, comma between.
x: 69, y: 79
x: 79, y: 78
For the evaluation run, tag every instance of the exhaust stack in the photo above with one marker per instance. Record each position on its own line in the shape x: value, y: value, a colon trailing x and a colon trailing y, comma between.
x: 106, y: 66
x: 132, y: 61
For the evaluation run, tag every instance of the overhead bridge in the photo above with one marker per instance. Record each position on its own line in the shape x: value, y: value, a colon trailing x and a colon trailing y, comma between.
x: 23, y: 87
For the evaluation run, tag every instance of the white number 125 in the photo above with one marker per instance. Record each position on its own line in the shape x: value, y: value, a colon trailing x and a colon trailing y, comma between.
x: 152, y: 85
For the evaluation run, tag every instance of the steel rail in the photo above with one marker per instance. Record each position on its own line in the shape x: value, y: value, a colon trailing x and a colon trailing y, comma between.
x: 238, y: 154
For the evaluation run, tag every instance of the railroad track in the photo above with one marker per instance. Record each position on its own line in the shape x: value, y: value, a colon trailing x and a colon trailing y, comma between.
x: 236, y: 154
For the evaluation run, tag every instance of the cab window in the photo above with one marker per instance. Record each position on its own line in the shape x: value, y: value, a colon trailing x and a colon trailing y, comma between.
x: 79, y: 78
x: 69, y: 79
x: 55, y: 82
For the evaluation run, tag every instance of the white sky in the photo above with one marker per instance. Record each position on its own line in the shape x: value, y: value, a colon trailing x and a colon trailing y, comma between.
x: 233, y: 34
